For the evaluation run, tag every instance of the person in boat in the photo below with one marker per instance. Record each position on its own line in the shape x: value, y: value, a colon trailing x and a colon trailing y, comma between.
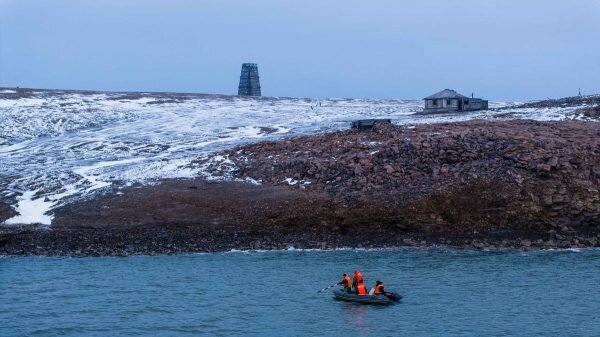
x: 346, y: 283
x: 378, y: 289
x: 356, y: 279
x: 361, y: 289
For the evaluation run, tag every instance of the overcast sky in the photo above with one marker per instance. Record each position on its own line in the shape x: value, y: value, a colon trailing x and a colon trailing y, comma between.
x: 500, y: 50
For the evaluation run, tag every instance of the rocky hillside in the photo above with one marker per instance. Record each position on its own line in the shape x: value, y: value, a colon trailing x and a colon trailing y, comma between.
x: 470, y: 184
x: 562, y: 102
x: 478, y: 176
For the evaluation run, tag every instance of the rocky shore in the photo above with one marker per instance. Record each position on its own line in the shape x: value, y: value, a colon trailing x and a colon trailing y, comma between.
x: 480, y: 184
x: 457, y: 179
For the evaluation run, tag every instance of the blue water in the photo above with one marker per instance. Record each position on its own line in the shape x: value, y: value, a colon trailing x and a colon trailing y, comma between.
x: 446, y: 293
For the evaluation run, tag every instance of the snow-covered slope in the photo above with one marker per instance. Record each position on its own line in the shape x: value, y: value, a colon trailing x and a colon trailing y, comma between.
x: 57, y: 146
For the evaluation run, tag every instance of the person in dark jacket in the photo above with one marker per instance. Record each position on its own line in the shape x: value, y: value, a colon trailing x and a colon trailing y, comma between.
x: 346, y: 283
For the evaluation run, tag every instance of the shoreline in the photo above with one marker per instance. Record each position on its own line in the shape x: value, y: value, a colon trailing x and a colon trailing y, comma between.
x: 434, y: 247
x: 291, y: 243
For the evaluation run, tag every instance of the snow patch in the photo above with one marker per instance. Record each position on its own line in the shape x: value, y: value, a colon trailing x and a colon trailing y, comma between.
x: 94, y: 180
x: 252, y: 181
x: 31, y: 211
x: 291, y: 181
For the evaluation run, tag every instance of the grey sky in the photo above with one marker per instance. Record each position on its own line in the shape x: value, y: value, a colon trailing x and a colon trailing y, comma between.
x: 504, y: 49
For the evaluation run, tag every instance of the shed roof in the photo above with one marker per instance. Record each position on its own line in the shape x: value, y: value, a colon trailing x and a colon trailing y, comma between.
x: 446, y: 93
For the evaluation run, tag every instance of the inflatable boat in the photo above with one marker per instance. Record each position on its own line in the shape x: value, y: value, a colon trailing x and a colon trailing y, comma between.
x: 366, y: 299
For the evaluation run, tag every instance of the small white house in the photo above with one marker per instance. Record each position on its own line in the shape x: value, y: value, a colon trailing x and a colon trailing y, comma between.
x: 449, y: 100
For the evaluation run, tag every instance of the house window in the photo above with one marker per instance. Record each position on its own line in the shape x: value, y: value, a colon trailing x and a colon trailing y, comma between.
x: 466, y: 102
x: 448, y: 102
x: 435, y: 102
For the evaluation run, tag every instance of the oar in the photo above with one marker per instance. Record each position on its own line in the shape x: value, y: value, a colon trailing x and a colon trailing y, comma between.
x: 333, y: 285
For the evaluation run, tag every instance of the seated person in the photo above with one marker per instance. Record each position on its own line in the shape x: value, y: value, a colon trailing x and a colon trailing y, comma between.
x: 346, y: 283
x: 378, y: 289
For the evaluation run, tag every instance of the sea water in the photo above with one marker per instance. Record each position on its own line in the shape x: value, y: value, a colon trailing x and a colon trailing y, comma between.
x: 446, y: 293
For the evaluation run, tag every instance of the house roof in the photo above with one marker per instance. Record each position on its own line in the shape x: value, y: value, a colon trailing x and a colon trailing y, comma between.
x: 446, y: 93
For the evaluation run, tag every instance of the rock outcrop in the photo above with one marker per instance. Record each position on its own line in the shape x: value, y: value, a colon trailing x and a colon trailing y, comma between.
x: 593, y: 112
x: 460, y: 177
x: 562, y: 102
x: 6, y: 212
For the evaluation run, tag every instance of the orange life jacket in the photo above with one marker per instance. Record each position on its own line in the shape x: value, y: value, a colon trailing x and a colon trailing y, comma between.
x: 358, y: 278
x: 378, y: 289
x: 362, y: 290
x: 346, y: 282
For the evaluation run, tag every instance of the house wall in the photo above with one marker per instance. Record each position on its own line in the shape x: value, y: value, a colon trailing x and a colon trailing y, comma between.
x: 476, y: 104
x: 442, y: 103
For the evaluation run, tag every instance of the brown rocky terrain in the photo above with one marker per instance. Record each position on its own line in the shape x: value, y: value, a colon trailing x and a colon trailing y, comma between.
x: 5, y: 212
x: 191, y: 216
x: 477, y: 176
x: 593, y: 112
x: 469, y: 184
x: 561, y: 102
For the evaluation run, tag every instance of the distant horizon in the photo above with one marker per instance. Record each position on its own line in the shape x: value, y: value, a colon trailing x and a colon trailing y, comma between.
x: 514, y: 50
x: 268, y: 96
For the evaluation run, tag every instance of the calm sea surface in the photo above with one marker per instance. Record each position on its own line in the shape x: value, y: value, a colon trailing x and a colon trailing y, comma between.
x: 446, y: 293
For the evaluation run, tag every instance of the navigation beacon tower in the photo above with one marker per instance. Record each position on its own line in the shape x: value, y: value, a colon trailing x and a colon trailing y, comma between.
x: 249, y: 81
